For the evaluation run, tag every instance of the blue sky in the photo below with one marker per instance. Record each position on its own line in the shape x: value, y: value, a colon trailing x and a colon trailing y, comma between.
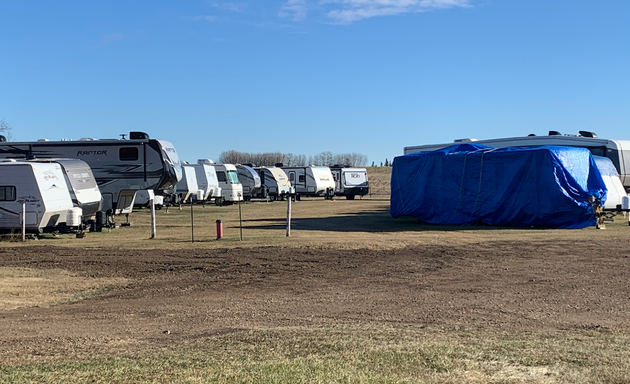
x: 305, y: 76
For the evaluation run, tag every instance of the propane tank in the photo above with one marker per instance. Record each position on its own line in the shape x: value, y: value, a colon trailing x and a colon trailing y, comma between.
x: 73, y: 219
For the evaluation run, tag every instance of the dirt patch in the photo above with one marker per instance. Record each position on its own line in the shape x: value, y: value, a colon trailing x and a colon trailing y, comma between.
x: 173, y: 295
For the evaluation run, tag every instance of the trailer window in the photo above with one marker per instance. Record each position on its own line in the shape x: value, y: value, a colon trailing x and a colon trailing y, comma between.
x: 221, y: 176
x: 7, y: 193
x: 301, y: 179
x: 598, y: 151
x: 233, y: 177
x: 128, y: 154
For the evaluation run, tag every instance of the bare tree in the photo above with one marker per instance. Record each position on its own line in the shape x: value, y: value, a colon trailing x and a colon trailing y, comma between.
x: 326, y: 158
x: 5, y: 129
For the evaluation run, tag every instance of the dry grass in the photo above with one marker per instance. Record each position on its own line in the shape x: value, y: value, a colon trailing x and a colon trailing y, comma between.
x: 379, y: 178
x: 316, y: 223
x: 356, y: 354
x: 26, y: 287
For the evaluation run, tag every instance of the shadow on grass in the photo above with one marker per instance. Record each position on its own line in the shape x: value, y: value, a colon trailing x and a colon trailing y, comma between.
x: 370, y: 221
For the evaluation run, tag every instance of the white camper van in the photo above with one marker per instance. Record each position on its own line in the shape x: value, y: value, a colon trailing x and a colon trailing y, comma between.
x: 187, y: 189
x: 250, y: 180
x: 121, y: 167
x: 350, y: 182
x: 42, y: 188
x: 207, y: 181
x: 231, y: 187
x: 274, y: 183
x: 311, y: 181
x: 618, y: 151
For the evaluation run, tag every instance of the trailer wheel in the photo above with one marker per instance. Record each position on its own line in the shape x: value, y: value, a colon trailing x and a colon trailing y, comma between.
x: 350, y: 197
x: 218, y: 201
x: 272, y: 197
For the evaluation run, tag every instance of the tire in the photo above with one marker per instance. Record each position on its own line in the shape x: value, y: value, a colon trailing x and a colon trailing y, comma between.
x: 350, y: 197
x: 272, y: 197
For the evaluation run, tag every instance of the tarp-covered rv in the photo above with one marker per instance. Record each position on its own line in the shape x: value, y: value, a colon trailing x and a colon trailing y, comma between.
x: 467, y: 184
x: 42, y: 188
x: 350, y: 182
x: 618, y: 151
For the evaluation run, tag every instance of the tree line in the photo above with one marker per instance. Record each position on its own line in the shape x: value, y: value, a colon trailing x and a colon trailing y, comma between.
x: 292, y: 160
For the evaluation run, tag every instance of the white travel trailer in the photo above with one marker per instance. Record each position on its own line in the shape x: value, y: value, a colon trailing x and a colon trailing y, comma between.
x: 250, y: 180
x: 350, y: 182
x: 311, y: 181
x: 42, y: 188
x: 121, y: 167
x: 207, y: 180
x: 615, y: 190
x: 275, y: 183
x: 231, y: 187
x: 81, y: 183
x: 187, y: 189
x: 618, y: 151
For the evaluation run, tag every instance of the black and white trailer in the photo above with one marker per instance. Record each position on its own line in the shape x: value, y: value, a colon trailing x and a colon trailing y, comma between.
x: 350, y: 182
x: 311, y: 181
x: 250, y: 180
x: 121, y: 166
x: 275, y: 184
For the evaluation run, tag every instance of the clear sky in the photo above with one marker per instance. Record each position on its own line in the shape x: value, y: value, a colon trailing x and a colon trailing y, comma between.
x: 306, y: 76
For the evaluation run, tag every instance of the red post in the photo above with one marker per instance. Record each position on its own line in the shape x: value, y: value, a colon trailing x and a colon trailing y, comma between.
x: 219, y: 229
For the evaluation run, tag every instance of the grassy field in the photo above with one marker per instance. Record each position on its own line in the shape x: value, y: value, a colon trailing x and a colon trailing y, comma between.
x: 361, y: 351
x: 382, y: 354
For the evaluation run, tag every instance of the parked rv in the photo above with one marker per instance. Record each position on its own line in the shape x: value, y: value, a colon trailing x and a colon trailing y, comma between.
x: 618, y: 151
x: 275, y: 184
x: 121, y: 167
x: 250, y: 180
x: 81, y: 184
x: 231, y: 187
x: 311, y: 181
x: 350, y: 182
x: 143, y: 200
x: 614, y: 189
x: 42, y: 188
x: 207, y: 181
x: 187, y: 189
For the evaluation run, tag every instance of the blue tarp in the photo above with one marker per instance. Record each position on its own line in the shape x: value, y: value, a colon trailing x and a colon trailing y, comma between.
x: 469, y: 184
